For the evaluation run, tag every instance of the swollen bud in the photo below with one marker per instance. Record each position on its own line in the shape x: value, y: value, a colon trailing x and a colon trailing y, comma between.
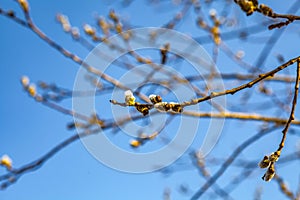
x: 264, y: 163
x: 129, y: 98
x: 270, y: 173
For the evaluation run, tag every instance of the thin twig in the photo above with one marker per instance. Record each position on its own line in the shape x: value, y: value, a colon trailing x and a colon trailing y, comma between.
x: 239, y: 116
x: 292, y: 115
x: 228, y: 162
x: 244, y: 86
x: 283, y: 187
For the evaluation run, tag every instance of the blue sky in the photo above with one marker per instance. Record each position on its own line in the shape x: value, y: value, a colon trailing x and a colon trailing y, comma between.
x: 30, y: 129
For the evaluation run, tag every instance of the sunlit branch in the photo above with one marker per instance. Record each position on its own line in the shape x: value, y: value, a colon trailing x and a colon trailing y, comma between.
x: 244, y: 86
x: 240, y: 116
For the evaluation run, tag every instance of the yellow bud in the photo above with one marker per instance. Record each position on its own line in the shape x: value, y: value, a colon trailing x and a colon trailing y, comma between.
x: 89, y: 30
x: 129, y: 98
x: 131, y: 101
x: 104, y: 26
x: 113, y: 16
x: 264, y: 163
x: 102, y: 22
x: 140, y: 59
x: 31, y: 90
x: 215, y: 31
x: 248, y: 6
x: 119, y: 28
x: 270, y: 173
x: 6, y: 161
x: 24, y: 5
x: 135, y: 143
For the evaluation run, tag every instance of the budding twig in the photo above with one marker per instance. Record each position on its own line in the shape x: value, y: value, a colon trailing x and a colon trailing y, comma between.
x: 244, y: 86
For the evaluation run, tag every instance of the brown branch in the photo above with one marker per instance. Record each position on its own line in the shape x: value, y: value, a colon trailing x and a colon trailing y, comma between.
x: 292, y: 115
x: 230, y: 91
x: 244, y: 86
x: 269, y: 161
x: 239, y: 116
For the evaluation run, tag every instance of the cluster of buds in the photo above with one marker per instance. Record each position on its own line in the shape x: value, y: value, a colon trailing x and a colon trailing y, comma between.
x: 130, y: 101
x: 215, y: 29
x: 164, y: 106
x: 156, y: 101
x: 104, y: 26
x: 269, y: 162
x: 250, y: 6
x: 30, y: 88
x: 64, y: 21
x: 118, y: 26
x: 6, y: 162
